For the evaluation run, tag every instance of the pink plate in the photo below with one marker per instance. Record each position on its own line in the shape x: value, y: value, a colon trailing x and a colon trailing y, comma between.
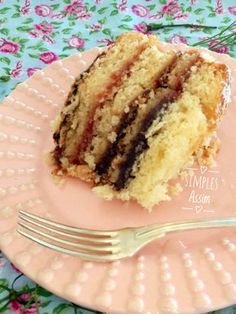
x: 191, y: 272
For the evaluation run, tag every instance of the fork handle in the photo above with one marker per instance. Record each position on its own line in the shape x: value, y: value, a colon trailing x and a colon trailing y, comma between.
x: 162, y: 229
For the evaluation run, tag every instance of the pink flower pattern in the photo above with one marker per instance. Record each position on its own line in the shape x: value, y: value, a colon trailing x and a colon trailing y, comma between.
x: 156, y: 16
x: 58, y: 16
x: 16, y: 72
x: 96, y: 26
x: 140, y: 10
x: 177, y: 39
x: 171, y: 8
x: 78, y: 9
x: 25, y: 9
x: 84, y: 15
x: 182, y: 16
x: 106, y: 42
x: 7, y: 46
x: 17, y: 305
x: 75, y: 7
x: 43, y: 10
x: 76, y: 42
x: 48, y: 57
x: 31, y: 71
x: 219, y: 7
x: 43, y: 30
x: 141, y: 27
x: 48, y: 39
x: 232, y: 10
x: 221, y: 48
x: 122, y: 6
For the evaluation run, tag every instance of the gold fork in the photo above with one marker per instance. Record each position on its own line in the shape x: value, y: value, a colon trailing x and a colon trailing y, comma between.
x: 104, y: 245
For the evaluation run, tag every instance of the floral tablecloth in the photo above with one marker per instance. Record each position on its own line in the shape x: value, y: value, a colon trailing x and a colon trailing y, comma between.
x: 34, y: 33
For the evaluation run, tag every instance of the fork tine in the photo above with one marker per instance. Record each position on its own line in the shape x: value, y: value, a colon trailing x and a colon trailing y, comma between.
x: 95, y: 257
x: 69, y: 228
x: 85, y: 247
x: 109, y: 240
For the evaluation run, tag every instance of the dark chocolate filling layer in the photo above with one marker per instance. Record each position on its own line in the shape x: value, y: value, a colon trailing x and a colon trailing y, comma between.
x: 139, y: 143
x: 74, y: 89
x: 58, y: 136
x: 163, y: 79
x: 105, y: 162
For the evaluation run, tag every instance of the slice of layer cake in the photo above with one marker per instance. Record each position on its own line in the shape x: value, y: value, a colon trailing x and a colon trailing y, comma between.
x: 137, y: 117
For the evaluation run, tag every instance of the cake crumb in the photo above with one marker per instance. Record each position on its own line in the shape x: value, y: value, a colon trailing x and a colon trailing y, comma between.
x: 205, y: 55
x: 59, y: 181
x: 176, y: 189
x: 126, y: 110
x: 90, y: 160
x: 104, y: 191
x: 83, y: 172
x: 193, y: 69
x: 206, y: 154
x: 114, y: 120
x: 54, y: 124
x: 112, y: 137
